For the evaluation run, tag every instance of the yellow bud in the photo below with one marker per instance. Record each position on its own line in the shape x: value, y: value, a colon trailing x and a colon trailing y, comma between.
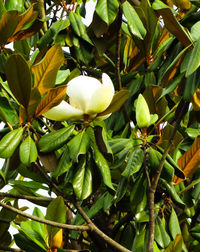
x: 142, y: 112
x: 56, y: 241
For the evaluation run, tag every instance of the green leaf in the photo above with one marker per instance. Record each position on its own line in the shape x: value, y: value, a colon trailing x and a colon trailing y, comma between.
x: 194, y: 60
x: 26, y: 227
x: 139, y: 241
x: 161, y: 235
x: 56, y: 211
x: 103, y: 167
x: 7, y: 112
x: 62, y: 76
x: 195, y: 232
x: 78, y: 145
x: 28, y: 151
x: 23, y: 47
x: 9, y: 142
x: 195, y: 31
x: 107, y: 10
x: 134, y: 162
x: 52, y: 33
x: 19, y: 78
x: 82, y: 180
x: 45, y: 71
x: 14, y: 5
x: 134, y: 22
x: 78, y: 26
x: 121, y: 188
x: 26, y: 244
x: 65, y: 163
x: 174, y: 226
x: 55, y: 140
x: 2, y: 8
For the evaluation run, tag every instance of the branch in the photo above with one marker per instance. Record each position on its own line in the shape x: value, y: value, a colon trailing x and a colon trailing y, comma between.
x: 152, y: 190
x: 25, y: 197
x: 47, y: 222
x: 95, y: 229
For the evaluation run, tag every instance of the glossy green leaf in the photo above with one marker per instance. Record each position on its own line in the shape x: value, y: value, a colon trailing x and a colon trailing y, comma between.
x: 174, y: 226
x: 107, y: 10
x: 55, y: 140
x: 7, y: 112
x: 78, y: 26
x: 28, y: 245
x: 28, y: 184
x: 14, y: 5
x: 56, y: 211
x: 62, y: 76
x: 28, y: 151
x: 19, y: 78
x: 82, y: 180
x: 161, y: 235
x: 78, y: 145
x: 134, y: 161
x: 45, y: 71
x: 103, y: 167
x: 139, y: 241
x: 65, y: 163
x: 195, y: 231
x: 172, y: 192
x: 194, y: 60
x: 9, y: 142
x: 195, y: 31
x: 23, y: 47
x: 26, y: 227
x: 84, y: 52
x: 193, y: 133
x: 134, y: 22
x: 121, y: 188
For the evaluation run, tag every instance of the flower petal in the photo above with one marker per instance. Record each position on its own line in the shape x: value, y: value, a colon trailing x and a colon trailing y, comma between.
x: 80, y: 90
x: 64, y: 111
x: 102, y: 96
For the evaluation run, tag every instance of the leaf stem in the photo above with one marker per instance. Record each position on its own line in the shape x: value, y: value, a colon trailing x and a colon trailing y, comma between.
x: 42, y: 13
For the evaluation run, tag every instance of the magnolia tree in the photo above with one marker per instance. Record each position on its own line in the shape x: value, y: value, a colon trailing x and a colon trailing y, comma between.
x: 105, y: 119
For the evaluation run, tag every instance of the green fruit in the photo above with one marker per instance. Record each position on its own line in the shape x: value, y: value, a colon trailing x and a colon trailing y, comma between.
x: 142, y: 112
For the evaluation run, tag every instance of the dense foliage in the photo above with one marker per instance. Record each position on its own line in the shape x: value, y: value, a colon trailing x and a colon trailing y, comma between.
x: 128, y: 183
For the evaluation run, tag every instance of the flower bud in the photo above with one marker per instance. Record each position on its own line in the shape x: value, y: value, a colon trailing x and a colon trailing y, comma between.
x: 142, y: 112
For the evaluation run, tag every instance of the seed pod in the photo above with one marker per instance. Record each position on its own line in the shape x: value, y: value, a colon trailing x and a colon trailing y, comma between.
x: 142, y: 112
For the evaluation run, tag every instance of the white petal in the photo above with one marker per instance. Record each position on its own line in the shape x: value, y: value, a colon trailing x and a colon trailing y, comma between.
x: 64, y: 111
x: 80, y: 90
x: 102, y: 96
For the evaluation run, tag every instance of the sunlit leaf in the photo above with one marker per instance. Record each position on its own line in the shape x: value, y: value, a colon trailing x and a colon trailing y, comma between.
x: 194, y: 60
x: 53, y: 98
x: 9, y: 142
x: 55, y: 140
x: 134, y: 23
x: 107, y: 10
x: 28, y: 151
x: 45, y: 72
x: 190, y: 160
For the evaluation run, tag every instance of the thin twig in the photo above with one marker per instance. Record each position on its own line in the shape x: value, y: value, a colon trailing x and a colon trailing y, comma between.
x: 151, y: 194
x: 47, y: 222
x: 26, y: 197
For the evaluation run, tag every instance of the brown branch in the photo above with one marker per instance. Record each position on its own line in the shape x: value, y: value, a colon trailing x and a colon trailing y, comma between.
x: 25, y: 197
x: 152, y: 190
x: 47, y: 222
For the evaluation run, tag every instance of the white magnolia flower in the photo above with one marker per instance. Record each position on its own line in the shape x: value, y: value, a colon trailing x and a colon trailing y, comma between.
x: 87, y: 96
